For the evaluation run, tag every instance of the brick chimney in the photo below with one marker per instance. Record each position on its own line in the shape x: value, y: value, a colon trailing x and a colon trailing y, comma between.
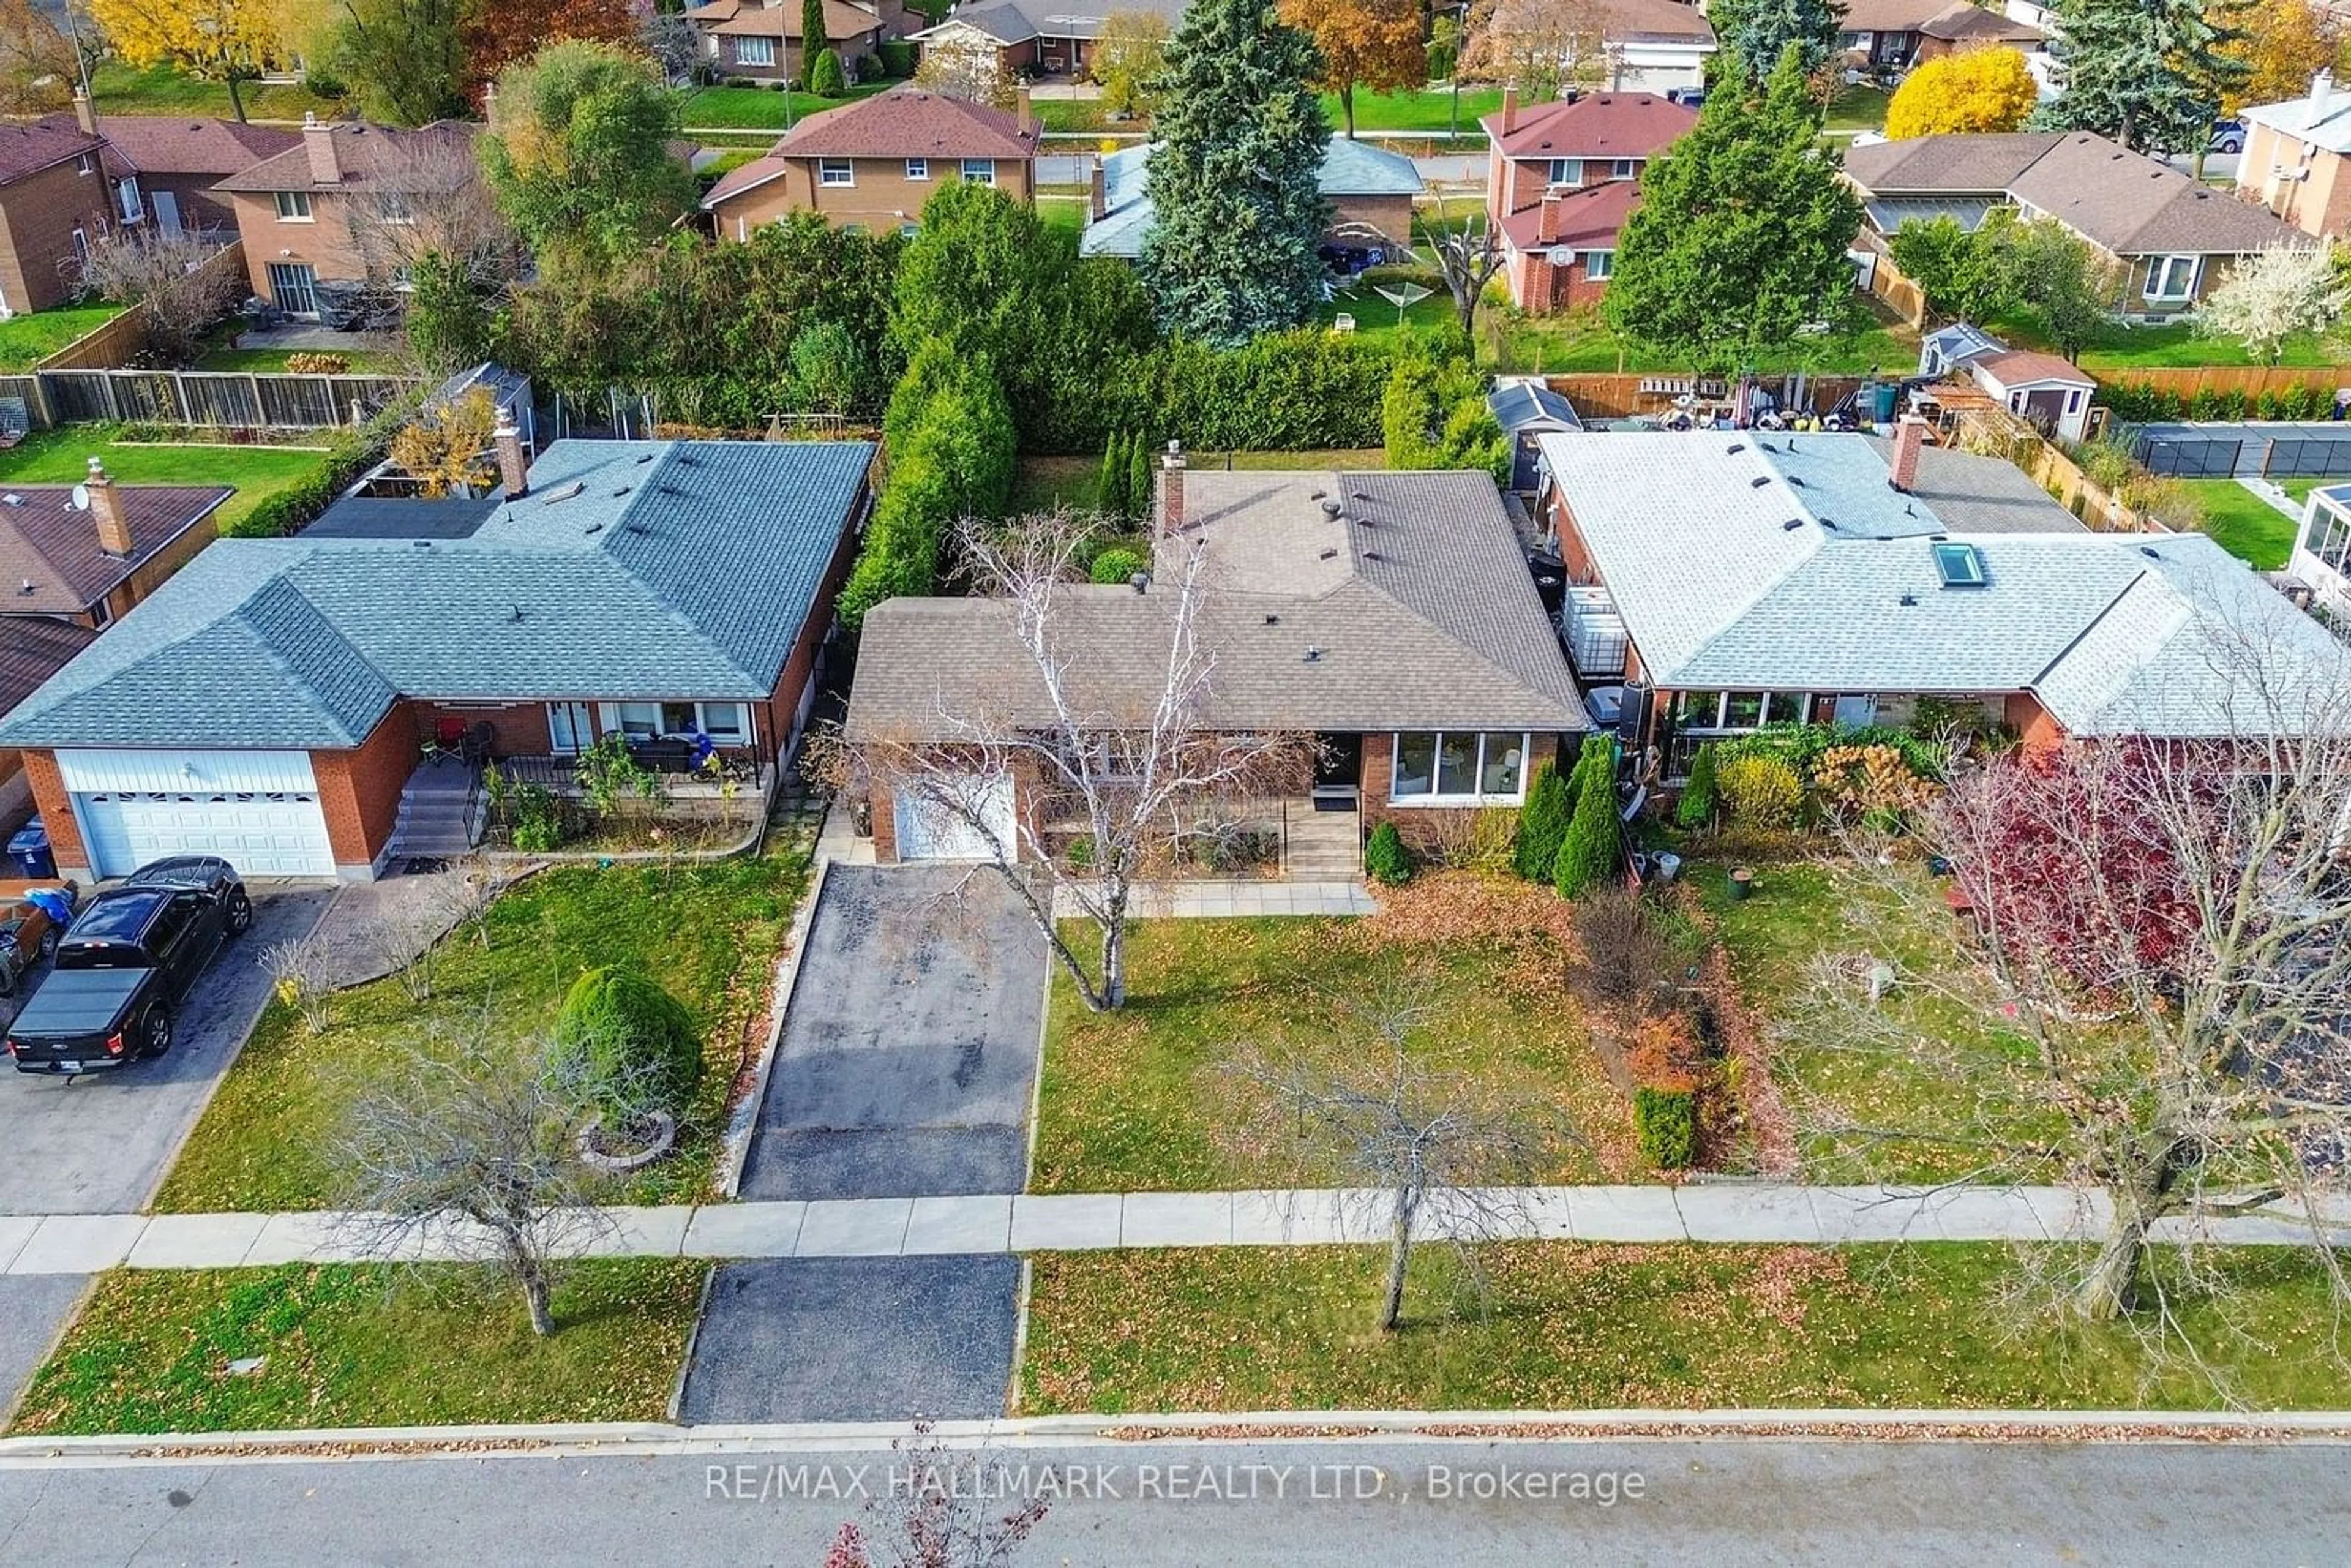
x: 1027, y: 111
x: 505, y: 440
x: 85, y: 112
x: 318, y: 142
x: 1549, y: 230
x: 1510, y: 110
x: 1170, y: 489
x: 1097, y: 190
x: 105, y: 511
x: 1909, y: 439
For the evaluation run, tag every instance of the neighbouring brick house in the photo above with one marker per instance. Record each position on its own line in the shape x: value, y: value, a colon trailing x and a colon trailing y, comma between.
x: 760, y: 40
x: 296, y: 211
x: 1032, y: 38
x: 55, y: 202
x: 32, y: 649
x: 1892, y: 35
x: 871, y: 164
x: 271, y: 701
x: 2174, y: 239
x: 2296, y: 157
x: 1561, y: 178
x: 1727, y: 580
x: 161, y: 169
x: 1391, y: 615
x: 1368, y: 192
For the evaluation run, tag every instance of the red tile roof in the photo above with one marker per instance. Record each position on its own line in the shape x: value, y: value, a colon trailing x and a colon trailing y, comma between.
x: 28, y: 148
x: 1598, y: 125
x: 1587, y: 219
x: 909, y: 123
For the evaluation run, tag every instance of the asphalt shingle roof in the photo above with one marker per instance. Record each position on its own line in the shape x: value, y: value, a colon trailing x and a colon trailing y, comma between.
x: 1016, y: 21
x: 28, y: 148
x: 365, y: 153
x: 32, y: 649
x: 1349, y: 169
x: 1424, y: 619
x: 630, y: 570
x: 161, y: 144
x: 1597, y: 125
x: 50, y: 562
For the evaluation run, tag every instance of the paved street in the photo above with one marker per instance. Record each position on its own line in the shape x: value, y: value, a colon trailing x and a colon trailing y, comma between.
x: 35, y: 1307
x: 1725, y: 1504
x: 100, y: 1144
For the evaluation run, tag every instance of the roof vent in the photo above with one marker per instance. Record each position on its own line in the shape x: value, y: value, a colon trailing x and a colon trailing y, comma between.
x: 2149, y: 551
x: 517, y: 614
x: 632, y: 527
x: 1316, y: 495
x: 1909, y: 599
x: 620, y: 492
x: 563, y: 493
x: 1758, y: 481
x: 1363, y: 494
x: 423, y: 544
x: 1273, y: 620
x: 1792, y: 525
x: 1330, y: 508
x: 1830, y: 524
x: 1734, y: 449
x: 669, y: 489
x: 688, y: 460
x: 25, y: 586
x: 12, y: 500
x: 1313, y: 655
x: 1328, y: 554
x: 1374, y: 555
x: 644, y: 458
x: 1763, y: 445
x: 593, y: 528
x: 1960, y: 565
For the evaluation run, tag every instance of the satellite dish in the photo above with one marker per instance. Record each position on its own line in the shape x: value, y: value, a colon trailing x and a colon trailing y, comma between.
x: 81, y: 497
x: 1561, y: 256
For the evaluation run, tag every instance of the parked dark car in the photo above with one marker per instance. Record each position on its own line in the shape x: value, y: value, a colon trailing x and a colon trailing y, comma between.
x: 126, y: 964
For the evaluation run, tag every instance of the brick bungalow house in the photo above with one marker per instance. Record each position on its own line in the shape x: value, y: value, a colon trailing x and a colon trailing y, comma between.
x: 760, y: 40
x: 163, y: 169
x: 1367, y: 192
x: 1734, y: 578
x: 272, y: 701
x: 1031, y: 38
x: 2296, y: 157
x: 1561, y: 178
x: 55, y: 203
x: 1391, y: 615
x: 873, y: 164
x: 295, y: 210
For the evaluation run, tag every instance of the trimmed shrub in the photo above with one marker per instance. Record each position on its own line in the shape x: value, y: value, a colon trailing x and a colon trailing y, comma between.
x: 1141, y: 494
x: 1588, y: 855
x: 309, y: 363
x: 826, y: 78
x: 1110, y: 485
x: 1698, y: 801
x: 1542, y: 823
x: 629, y: 1046
x: 1117, y: 564
x: 1759, y: 790
x: 1665, y: 1124
x: 1389, y: 862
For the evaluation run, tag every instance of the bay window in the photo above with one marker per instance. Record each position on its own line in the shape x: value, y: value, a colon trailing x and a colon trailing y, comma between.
x: 2170, y: 276
x: 1458, y: 767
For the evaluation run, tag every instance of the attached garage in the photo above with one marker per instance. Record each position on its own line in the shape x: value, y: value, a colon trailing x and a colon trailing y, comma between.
x: 257, y: 809
x: 931, y: 830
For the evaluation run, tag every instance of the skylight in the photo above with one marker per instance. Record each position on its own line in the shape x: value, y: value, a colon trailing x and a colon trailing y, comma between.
x: 1960, y: 565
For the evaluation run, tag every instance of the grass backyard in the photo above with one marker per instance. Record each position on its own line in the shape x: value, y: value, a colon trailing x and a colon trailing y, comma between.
x: 2244, y: 524
x: 1567, y: 1325
x: 1804, y: 910
x: 759, y: 108
x: 709, y: 932
x: 1580, y: 344
x: 363, y: 1345
x: 259, y: 472
x: 2172, y: 345
x: 1144, y: 1099
x: 26, y: 340
x: 119, y: 88
x: 1858, y: 108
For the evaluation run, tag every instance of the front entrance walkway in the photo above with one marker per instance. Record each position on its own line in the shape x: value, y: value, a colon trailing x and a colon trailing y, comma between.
x: 1228, y: 900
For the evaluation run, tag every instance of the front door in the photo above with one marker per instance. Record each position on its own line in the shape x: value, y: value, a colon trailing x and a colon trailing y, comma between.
x: 1337, y: 772
x: 569, y: 727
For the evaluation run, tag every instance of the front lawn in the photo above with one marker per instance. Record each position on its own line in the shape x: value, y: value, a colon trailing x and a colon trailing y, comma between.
x: 26, y: 340
x: 2244, y: 524
x: 120, y: 88
x: 1803, y: 912
x: 259, y: 472
x: 1144, y: 1099
x: 759, y: 108
x: 1428, y: 110
x: 709, y: 932
x: 364, y: 1345
x: 1569, y: 1325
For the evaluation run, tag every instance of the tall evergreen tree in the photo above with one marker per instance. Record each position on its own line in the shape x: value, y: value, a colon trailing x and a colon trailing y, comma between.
x: 1754, y: 34
x: 1141, y: 494
x: 1542, y: 823
x: 1588, y: 855
x: 1109, y: 489
x: 2149, y: 73
x: 1235, y: 177
x: 1739, y: 244
x: 813, y: 41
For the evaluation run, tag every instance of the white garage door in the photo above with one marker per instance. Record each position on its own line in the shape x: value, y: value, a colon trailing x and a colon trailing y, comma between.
x: 257, y: 809
x: 931, y: 830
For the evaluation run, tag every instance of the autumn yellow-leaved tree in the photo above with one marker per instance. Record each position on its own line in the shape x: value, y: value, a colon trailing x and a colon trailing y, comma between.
x: 2284, y: 43
x: 1374, y: 44
x: 1981, y: 90
x: 230, y: 41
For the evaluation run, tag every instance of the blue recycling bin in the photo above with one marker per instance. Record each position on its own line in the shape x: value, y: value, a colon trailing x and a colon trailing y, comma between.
x: 28, y: 851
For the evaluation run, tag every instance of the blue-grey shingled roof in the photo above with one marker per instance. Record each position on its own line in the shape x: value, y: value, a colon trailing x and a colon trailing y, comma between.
x: 1350, y: 168
x: 629, y: 570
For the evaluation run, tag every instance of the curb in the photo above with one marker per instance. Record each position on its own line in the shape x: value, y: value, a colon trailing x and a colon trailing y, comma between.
x: 744, y: 1122
x: 692, y: 1338
x: 651, y: 1438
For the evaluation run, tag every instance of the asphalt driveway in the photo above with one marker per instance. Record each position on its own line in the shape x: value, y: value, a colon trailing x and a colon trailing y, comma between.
x: 99, y: 1144
x: 911, y: 1044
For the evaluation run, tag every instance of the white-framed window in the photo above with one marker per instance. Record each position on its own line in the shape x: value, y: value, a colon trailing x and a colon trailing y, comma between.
x: 569, y: 727
x: 1700, y: 715
x: 1598, y: 264
x: 918, y: 168
x: 835, y: 172
x: 293, y: 206
x: 755, y: 51
x: 979, y: 171
x: 392, y: 207
x: 1458, y: 767
x: 80, y: 244
x: 1565, y: 171
x: 1625, y: 168
x: 85, y: 164
x: 727, y: 724
x: 126, y: 193
x: 2171, y: 277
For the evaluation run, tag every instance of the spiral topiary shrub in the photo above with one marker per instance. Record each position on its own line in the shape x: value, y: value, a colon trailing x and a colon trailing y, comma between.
x: 629, y: 1048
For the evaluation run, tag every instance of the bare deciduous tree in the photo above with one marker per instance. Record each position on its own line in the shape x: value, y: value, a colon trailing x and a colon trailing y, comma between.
x: 166, y: 275
x: 1544, y: 48
x: 1468, y: 256
x: 466, y: 1144
x: 974, y: 73
x: 465, y: 894
x: 1142, y: 771
x: 427, y: 197
x: 2158, y: 926
x: 1445, y: 1157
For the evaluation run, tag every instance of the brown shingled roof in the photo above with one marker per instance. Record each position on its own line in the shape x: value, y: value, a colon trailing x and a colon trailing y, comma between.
x: 25, y: 148
x: 163, y: 144
x: 32, y: 649
x: 1587, y: 219
x: 46, y: 542
x: 909, y: 121
x: 361, y: 151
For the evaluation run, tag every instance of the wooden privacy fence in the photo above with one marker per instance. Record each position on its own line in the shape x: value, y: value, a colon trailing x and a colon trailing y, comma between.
x: 121, y: 342
x: 221, y: 398
x: 2251, y: 380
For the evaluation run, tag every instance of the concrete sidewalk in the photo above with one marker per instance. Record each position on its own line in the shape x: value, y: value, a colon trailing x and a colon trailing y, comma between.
x: 1078, y: 1222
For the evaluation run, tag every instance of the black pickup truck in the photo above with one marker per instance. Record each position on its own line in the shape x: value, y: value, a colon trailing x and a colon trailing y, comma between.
x: 125, y: 964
